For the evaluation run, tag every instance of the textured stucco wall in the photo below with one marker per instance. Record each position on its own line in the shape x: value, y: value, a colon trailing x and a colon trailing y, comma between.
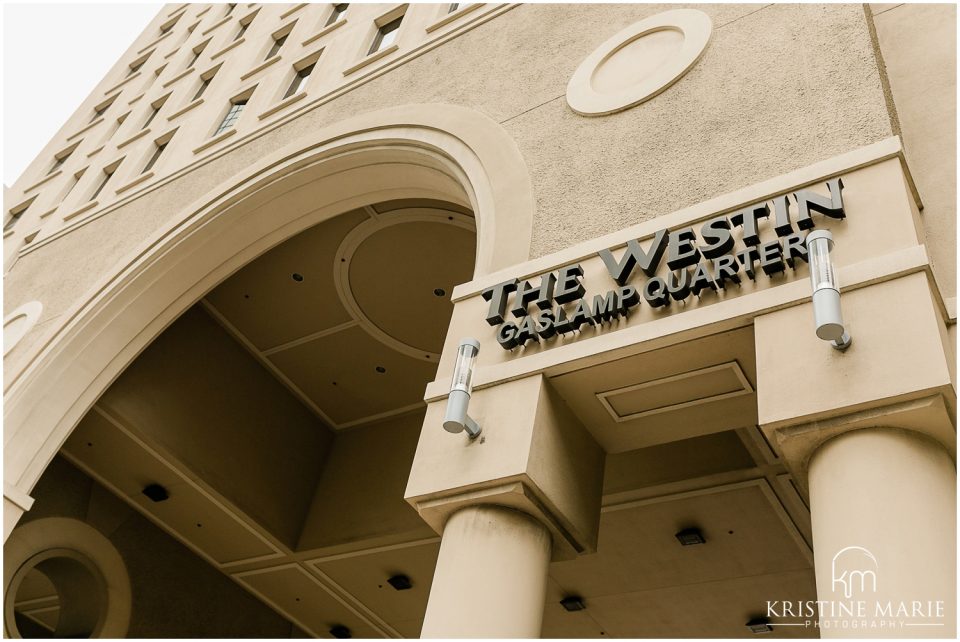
x: 175, y: 593
x: 779, y: 87
x: 923, y: 83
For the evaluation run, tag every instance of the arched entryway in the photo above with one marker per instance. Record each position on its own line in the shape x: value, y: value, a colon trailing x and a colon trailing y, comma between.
x: 421, y: 151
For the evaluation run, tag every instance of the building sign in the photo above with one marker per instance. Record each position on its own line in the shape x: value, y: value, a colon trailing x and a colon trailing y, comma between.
x: 705, y: 259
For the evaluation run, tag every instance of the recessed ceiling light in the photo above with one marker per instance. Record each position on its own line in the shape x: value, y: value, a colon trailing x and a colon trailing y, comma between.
x: 341, y: 632
x: 573, y: 603
x: 297, y: 277
x: 156, y: 492
x: 439, y: 292
x: 400, y: 582
x: 381, y: 369
x: 690, y: 537
x: 759, y: 626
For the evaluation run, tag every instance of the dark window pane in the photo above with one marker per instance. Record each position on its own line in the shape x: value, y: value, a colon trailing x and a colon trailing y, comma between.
x: 153, y: 159
x: 337, y: 13
x: 275, y: 48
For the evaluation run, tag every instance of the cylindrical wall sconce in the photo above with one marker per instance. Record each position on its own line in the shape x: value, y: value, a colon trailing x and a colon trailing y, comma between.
x: 461, y: 386
x: 826, y: 290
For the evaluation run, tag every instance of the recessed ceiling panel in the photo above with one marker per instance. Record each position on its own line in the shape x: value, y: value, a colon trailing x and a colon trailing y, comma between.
x: 109, y: 453
x: 677, y: 392
x: 402, y: 277
x: 266, y: 303
x: 200, y: 521
x: 298, y: 595
x: 352, y: 376
x: 365, y: 577
x: 689, y: 389
x: 126, y: 467
x: 746, y: 532
x: 674, y: 461
x: 561, y: 623
x: 716, y: 609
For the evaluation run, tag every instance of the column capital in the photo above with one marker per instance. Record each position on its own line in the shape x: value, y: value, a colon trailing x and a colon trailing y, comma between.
x: 534, y: 456
x: 928, y: 415
x: 899, y: 372
x: 519, y: 494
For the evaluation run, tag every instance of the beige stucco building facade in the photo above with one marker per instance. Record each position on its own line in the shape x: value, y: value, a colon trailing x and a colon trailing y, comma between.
x: 237, y: 278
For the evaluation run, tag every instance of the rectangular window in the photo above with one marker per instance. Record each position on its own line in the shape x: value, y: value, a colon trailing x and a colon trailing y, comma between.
x: 115, y: 126
x: 195, y: 56
x: 106, y: 179
x: 337, y: 13
x: 386, y: 35
x: 202, y: 88
x: 153, y: 159
x: 153, y: 114
x: 275, y: 47
x: 243, y: 30
x: 233, y: 115
x: 299, y: 81
x: 135, y: 67
x: 101, y: 109
x: 15, y: 215
x: 155, y: 108
x: 12, y: 221
x: 73, y: 183
x: 60, y: 159
x: 453, y: 7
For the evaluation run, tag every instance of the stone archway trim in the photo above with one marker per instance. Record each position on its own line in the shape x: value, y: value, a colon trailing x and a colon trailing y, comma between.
x: 451, y: 152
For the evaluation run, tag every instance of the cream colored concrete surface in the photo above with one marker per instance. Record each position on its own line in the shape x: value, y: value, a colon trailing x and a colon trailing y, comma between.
x: 348, y: 169
x: 872, y: 243
x: 923, y: 81
x: 471, y: 110
x: 639, y: 62
x: 897, y: 351
x: 533, y: 455
x: 585, y: 190
x: 479, y: 167
x: 892, y: 493
x: 760, y: 102
x: 58, y: 271
x: 491, y: 577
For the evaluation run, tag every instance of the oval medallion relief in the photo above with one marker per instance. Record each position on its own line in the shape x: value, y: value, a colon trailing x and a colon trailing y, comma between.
x: 639, y: 62
x: 18, y: 323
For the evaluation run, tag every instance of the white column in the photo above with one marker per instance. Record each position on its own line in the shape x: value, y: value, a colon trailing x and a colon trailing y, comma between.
x: 883, y: 507
x: 491, y: 576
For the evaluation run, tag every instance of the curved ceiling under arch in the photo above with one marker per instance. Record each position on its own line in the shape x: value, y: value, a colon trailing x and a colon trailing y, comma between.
x: 352, y: 313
